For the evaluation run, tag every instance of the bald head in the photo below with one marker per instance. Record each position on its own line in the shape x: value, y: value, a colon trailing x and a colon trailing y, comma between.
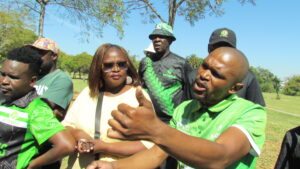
x: 234, y: 60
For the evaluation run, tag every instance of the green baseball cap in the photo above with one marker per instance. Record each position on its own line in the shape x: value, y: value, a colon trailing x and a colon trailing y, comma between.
x: 163, y: 29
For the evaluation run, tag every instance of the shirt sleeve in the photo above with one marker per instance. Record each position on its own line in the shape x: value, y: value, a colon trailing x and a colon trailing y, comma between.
x: 60, y: 92
x: 43, y: 124
x: 253, y: 123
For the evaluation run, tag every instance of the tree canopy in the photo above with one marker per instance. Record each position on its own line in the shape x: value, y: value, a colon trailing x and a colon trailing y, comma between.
x: 15, y: 30
x: 92, y: 15
x: 194, y: 61
x: 267, y: 80
x: 191, y: 10
x: 292, y: 86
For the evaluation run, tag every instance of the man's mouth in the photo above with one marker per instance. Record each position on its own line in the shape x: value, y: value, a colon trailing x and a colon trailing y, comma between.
x: 199, y: 87
x: 4, y: 90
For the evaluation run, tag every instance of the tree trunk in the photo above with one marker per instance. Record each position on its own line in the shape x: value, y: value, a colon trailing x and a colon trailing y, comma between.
x: 42, y: 17
x: 74, y: 75
x: 172, y: 12
x: 79, y: 71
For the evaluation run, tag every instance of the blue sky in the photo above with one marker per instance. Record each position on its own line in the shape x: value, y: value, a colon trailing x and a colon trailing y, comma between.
x: 268, y: 34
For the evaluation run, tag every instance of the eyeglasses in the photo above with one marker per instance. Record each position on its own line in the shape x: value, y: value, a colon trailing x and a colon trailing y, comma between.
x: 108, y: 67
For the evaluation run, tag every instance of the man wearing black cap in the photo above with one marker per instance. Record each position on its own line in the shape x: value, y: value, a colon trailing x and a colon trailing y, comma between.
x: 164, y: 75
x: 224, y: 37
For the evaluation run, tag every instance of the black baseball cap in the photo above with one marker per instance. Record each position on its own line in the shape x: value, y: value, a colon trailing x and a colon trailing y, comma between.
x: 223, y: 35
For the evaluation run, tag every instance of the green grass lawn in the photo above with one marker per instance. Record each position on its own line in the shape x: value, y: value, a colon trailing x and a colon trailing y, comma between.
x: 278, y: 123
x: 79, y: 85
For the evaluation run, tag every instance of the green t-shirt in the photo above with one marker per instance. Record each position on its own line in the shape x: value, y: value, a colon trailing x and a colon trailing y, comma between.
x: 208, y: 123
x: 57, y: 87
x: 22, y: 130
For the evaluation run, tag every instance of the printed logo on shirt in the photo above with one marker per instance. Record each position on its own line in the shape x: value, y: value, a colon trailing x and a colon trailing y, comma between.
x: 40, y: 89
x: 169, y: 74
x: 3, y: 147
x: 14, y: 115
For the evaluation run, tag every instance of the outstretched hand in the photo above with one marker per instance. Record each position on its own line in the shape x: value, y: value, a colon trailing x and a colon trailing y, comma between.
x: 134, y: 123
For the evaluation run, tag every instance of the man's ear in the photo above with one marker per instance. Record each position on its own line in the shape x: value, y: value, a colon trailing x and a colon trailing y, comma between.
x: 33, y: 81
x: 54, y: 56
x: 236, y: 88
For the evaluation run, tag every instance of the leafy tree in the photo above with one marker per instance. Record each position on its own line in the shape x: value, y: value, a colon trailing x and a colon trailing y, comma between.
x: 277, y: 86
x: 15, y: 30
x: 191, y: 10
x: 194, y: 61
x: 78, y: 64
x: 134, y: 60
x: 292, y: 86
x: 266, y: 79
x: 92, y: 15
x: 63, y: 60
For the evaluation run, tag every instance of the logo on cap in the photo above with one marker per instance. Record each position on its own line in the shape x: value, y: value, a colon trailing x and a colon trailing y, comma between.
x: 224, y: 34
x: 158, y: 26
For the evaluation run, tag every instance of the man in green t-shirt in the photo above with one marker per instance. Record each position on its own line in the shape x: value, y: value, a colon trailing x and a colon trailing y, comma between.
x: 215, y: 130
x: 53, y: 84
x: 26, y: 121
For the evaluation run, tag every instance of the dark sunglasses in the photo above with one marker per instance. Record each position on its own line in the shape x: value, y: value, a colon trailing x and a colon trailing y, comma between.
x: 108, y: 67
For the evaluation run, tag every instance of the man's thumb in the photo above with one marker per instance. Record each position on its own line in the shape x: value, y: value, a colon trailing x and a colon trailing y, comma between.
x: 143, y: 101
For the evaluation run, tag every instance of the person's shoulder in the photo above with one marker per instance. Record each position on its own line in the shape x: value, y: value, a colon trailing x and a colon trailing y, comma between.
x: 185, y: 109
x: 61, y: 74
x: 142, y: 63
x: 143, y: 59
x: 295, y: 130
x: 84, y: 92
x: 39, y: 103
x: 188, y: 106
x: 174, y: 55
x: 250, y: 76
x: 173, y: 59
x: 246, y: 105
x: 61, y: 77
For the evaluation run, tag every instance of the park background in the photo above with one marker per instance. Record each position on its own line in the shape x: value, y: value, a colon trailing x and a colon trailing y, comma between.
x: 268, y: 34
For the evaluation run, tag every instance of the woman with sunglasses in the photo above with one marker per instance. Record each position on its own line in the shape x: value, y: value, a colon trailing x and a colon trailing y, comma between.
x: 112, y: 80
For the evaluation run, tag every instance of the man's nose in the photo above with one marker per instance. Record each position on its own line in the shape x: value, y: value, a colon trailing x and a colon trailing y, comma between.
x: 4, y: 80
x: 204, y: 74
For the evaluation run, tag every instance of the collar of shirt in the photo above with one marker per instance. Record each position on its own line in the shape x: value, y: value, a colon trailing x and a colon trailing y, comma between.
x: 221, y: 105
x: 25, y: 100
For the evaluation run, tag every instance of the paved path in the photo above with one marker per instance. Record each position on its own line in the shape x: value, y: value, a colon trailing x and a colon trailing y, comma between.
x: 284, y: 112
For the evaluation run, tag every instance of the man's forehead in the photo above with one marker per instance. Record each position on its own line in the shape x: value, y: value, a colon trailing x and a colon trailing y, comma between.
x: 15, y: 66
x: 220, y: 62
